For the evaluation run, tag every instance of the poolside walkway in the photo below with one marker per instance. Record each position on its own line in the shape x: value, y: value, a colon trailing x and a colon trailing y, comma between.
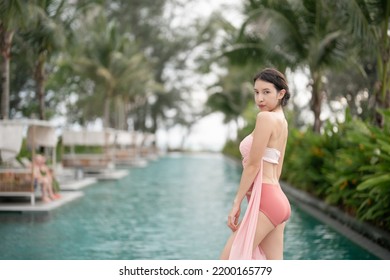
x: 374, y: 240
x: 73, y: 185
x: 40, y: 206
x: 108, y: 175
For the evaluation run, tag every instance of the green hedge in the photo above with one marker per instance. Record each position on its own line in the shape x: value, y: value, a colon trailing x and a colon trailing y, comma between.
x: 26, y: 152
x: 348, y: 165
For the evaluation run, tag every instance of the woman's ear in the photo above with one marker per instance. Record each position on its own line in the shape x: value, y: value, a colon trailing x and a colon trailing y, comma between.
x: 281, y: 94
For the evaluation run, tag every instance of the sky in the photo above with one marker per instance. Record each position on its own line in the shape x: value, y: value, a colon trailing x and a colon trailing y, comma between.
x: 209, y: 133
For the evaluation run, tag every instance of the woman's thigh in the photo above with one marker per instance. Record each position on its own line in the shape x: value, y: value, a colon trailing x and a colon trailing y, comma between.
x: 263, y: 228
x: 272, y: 244
x: 226, y: 251
x: 266, y: 235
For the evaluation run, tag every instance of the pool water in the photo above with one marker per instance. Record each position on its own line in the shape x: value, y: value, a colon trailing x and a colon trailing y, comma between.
x: 175, y: 208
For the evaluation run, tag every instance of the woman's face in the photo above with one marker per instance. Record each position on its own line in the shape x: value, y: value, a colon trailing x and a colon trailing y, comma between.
x: 40, y: 160
x: 267, y: 98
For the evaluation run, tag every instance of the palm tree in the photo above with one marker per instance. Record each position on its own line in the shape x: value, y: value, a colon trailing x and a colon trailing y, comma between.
x: 369, y: 23
x: 231, y: 94
x: 45, y: 36
x: 294, y: 35
x: 13, y: 15
x: 113, y: 63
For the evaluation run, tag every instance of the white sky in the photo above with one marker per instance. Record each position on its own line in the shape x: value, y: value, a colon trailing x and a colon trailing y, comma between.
x: 209, y: 133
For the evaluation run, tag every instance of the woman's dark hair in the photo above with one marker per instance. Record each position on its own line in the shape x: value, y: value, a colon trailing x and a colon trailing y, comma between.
x: 276, y: 78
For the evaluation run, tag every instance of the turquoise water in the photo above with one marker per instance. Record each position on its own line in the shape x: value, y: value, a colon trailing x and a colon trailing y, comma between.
x: 175, y: 208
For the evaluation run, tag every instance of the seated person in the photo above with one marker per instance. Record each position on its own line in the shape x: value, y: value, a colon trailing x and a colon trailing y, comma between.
x: 43, y: 176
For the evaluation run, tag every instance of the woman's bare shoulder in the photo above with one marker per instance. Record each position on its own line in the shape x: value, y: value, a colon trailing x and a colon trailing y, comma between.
x: 265, y: 115
x: 268, y: 117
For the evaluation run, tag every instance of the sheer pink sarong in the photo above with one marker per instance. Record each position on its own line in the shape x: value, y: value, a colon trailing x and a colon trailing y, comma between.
x: 242, y: 247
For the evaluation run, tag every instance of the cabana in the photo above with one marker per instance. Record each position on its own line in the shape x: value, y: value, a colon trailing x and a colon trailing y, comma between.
x: 148, y: 147
x: 126, y: 151
x: 99, y: 165
x: 88, y: 162
x: 18, y: 181
x: 42, y: 134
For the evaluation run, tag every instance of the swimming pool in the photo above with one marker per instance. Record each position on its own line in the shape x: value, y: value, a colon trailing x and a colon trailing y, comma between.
x: 175, y: 208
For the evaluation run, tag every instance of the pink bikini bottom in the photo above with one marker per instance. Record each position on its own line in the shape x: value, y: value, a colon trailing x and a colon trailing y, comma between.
x: 274, y: 204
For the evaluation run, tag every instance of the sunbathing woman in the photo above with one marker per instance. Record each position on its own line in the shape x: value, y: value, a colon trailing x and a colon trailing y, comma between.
x: 260, y: 233
x: 44, y: 178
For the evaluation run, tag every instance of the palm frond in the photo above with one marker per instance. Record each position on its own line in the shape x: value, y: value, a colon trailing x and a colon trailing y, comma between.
x: 360, y: 19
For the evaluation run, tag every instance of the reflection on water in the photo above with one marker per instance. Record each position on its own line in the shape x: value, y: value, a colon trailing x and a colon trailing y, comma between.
x: 17, y: 218
x: 175, y: 208
x: 308, y: 239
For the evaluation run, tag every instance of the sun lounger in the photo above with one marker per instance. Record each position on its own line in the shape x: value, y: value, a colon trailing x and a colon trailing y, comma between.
x: 17, y: 182
x: 86, y: 161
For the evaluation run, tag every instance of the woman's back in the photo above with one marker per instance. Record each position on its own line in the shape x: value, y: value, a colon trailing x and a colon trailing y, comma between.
x: 278, y: 141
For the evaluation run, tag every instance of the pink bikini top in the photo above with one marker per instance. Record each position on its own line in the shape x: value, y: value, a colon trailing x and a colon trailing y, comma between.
x: 271, y: 155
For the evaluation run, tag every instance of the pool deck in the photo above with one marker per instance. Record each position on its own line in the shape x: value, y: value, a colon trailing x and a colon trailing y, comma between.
x: 74, y: 185
x: 374, y: 240
x: 40, y: 206
x: 108, y: 175
x: 135, y: 162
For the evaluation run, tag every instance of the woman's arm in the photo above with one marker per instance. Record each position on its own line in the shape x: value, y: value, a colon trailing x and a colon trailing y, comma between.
x: 35, y: 172
x: 261, y: 136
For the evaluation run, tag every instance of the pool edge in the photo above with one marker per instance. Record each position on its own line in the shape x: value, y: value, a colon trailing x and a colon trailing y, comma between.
x: 363, y: 234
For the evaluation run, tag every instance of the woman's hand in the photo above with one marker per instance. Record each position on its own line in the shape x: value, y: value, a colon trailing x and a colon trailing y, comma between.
x: 233, y: 217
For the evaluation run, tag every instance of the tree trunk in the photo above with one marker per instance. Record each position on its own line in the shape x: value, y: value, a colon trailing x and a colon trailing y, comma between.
x: 316, y: 101
x: 385, y: 55
x: 106, y: 116
x: 5, y: 43
x: 383, y: 93
x: 126, y: 111
x: 120, y: 113
x: 106, y: 113
x: 40, y: 83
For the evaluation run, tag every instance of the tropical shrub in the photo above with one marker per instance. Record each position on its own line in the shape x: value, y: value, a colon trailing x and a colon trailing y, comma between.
x: 308, y: 156
x: 347, y: 172
x: 364, y: 182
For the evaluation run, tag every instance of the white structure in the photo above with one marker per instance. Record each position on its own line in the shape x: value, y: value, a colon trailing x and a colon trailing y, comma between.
x: 99, y: 165
x: 18, y: 181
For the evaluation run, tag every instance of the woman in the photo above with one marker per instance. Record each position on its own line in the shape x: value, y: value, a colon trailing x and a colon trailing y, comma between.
x: 260, y: 233
x: 44, y: 177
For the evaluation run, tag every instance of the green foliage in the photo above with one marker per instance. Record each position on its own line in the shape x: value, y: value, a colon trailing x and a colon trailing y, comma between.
x: 232, y: 93
x: 360, y: 177
x: 376, y: 182
x: 347, y: 173
x: 231, y: 149
x: 308, y: 154
x: 348, y: 166
x: 85, y: 150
